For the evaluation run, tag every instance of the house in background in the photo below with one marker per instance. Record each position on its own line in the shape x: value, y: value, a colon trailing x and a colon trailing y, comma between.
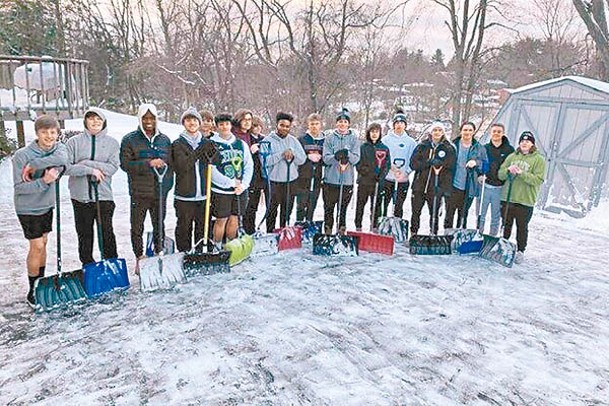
x: 570, y: 119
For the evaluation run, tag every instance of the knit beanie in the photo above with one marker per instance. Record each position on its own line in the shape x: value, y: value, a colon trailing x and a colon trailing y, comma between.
x: 191, y: 112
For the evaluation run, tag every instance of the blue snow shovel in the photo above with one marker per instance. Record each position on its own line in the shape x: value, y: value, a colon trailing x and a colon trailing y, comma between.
x: 64, y: 288
x: 394, y: 226
x: 473, y: 243
x: 164, y: 270
x: 465, y: 241
x: 109, y: 273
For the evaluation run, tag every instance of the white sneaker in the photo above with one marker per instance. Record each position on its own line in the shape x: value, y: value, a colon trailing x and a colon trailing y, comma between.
x: 519, y: 257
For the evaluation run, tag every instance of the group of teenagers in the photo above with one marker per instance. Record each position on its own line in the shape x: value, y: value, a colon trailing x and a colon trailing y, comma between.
x: 289, y: 171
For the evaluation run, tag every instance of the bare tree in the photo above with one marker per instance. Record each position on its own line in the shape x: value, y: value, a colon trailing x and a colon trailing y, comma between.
x: 594, y: 15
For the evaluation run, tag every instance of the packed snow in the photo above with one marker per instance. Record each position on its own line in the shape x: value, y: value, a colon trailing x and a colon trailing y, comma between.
x: 295, y: 329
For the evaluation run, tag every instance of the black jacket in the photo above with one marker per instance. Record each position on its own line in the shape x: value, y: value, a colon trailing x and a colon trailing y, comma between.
x: 183, y: 160
x: 137, y: 150
x: 496, y: 156
x: 368, y: 169
x: 444, y: 157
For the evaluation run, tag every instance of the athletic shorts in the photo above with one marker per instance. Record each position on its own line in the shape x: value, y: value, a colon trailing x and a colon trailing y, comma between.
x: 223, y: 205
x: 36, y: 226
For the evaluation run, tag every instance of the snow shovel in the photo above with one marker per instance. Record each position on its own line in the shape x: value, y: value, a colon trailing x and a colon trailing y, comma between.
x: 394, y: 226
x: 472, y: 243
x: 162, y: 271
x: 499, y: 249
x: 309, y: 229
x: 64, y: 288
x: 265, y: 243
x: 109, y: 273
x: 241, y: 247
x: 205, y: 258
x: 290, y: 237
x: 336, y: 244
x: 169, y: 245
x: 432, y: 244
x: 461, y: 235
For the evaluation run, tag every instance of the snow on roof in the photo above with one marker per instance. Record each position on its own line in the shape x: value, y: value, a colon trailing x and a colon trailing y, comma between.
x: 588, y: 82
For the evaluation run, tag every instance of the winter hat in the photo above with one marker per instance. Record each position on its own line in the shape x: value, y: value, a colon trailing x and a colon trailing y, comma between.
x: 399, y: 116
x: 191, y: 112
x: 344, y: 115
x: 436, y: 124
x: 527, y: 136
x: 93, y: 111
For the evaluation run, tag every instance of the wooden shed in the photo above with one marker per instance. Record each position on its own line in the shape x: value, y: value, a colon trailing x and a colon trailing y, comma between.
x: 570, y: 119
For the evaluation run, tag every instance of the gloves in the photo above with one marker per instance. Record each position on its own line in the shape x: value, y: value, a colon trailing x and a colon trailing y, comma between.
x: 342, y: 156
x: 434, y: 162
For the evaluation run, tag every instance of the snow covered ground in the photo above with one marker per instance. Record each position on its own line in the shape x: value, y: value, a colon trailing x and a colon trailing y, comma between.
x: 296, y: 329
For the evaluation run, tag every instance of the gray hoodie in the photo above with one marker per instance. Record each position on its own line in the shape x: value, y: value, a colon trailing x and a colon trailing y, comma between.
x: 36, y: 197
x: 276, y: 165
x: 81, y: 163
x: 334, y: 143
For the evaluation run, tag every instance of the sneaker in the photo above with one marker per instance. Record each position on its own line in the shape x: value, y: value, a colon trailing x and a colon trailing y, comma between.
x: 30, y: 299
x: 358, y: 229
x: 519, y: 257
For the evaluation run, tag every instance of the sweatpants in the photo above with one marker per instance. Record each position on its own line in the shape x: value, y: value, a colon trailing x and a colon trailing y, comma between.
x: 331, y: 196
x: 398, y: 197
x: 139, y: 208
x: 279, y: 198
x: 522, y: 215
x: 187, y: 213
x: 85, y: 216
x: 492, y: 198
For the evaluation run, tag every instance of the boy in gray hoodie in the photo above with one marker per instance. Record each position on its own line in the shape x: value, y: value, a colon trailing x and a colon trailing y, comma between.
x: 36, y: 168
x: 92, y: 160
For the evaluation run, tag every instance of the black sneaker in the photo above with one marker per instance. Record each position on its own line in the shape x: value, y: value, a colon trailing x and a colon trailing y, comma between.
x: 31, y: 300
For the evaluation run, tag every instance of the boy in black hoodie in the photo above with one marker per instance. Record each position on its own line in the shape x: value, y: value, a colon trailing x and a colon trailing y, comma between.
x: 373, y: 166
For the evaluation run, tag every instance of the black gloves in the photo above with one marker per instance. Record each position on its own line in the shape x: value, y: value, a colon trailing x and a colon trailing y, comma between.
x: 209, y: 154
x: 342, y: 156
x: 434, y: 162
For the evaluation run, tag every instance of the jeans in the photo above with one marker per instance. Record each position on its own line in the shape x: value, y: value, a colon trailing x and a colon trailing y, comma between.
x: 492, y: 198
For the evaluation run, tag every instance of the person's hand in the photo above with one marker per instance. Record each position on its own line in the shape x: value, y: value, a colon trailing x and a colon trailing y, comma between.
x: 514, y: 170
x: 314, y: 156
x: 254, y: 148
x: 471, y: 164
x: 481, y: 179
x: 434, y: 162
x: 156, y: 163
x: 238, y: 188
x: 400, y: 176
x: 288, y: 155
x: 98, y: 175
x: 50, y: 175
x: 26, y: 173
x: 342, y: 156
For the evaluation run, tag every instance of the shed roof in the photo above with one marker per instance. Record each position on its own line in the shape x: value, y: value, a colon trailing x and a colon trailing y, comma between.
x: 588, y: 82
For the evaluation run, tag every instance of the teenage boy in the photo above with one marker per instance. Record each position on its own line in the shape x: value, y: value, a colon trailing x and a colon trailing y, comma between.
x: 93, y: 158
x: 258, y: 183
x: 401, y: 146
x: 525, y: 169
x: 36, y: 168
x: 142, y: 151
x: 310, y: 173
x: 341, y: 152
x: 433, y: 162
x: 286, y: 154
x: 207, y: 123
x: 228, y: 185
x: 497, y: 150
x: 372, y: 168
x: 190, y: 155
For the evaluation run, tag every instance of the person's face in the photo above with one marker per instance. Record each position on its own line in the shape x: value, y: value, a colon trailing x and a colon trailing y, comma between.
x: 207, y: 125
x: 148, y: 122
x: 256, y: 129
x: 94, y: 123
x: 467, y: 133
x: 496, y: 134
x: 375, y: 135
x: 191, y: 124
x: 246, y: 122
x: 436, y: 134
x: 342, y: 125
x: 525, y: 146
x: 314, y: 127
x: 399, y: 127
x: 47, y: 137
x: 224, y: 128
x: 283, y: 128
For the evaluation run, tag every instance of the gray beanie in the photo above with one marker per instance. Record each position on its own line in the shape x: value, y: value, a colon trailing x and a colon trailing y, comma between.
x: 191, y: 112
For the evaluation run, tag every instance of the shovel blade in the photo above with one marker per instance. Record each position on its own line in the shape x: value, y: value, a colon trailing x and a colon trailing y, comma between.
x: 379, y: 244
x: 206, y: 263
x: 105, y: 276
x: 394, y: 227
x: 465, y: 241
x: 335, y: 245
x: 56, y: 291
x: 265, y: 245
x: 430, y: 244
x: 309, y: 229
x: 240, y: 249
x: 289, y: 238
x: 499, y: 250
x: 161, y: 272
x: 169, y: 245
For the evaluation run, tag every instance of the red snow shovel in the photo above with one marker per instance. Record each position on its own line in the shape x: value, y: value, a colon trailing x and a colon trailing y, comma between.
x: 290, y: 237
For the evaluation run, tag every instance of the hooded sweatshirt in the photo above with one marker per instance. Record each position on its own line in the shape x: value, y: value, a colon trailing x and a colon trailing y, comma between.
x: 189, y: 169
x: 137, y: 150
x: 374, y: 163
x: 276, y: 165
x: 496, y: 156
x: 525, y: 187
x: 475, y: 151
x: 310, y: 169
x: 401, y: 148
x: 86, y: 153
x: 36, y: 197
x: 223, y: 176
x: 334, y: 143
